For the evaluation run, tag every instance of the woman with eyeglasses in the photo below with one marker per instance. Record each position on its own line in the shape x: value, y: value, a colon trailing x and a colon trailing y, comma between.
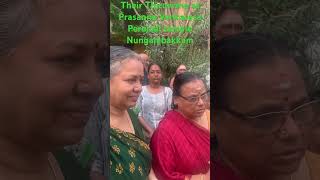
x: 181, y: 144
x: 262, y: 110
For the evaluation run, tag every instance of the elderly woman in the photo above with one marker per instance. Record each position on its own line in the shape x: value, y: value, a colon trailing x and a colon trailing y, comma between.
x: 181, y: 144
x: 154, y: 101
x: 130, y: 154
x: 49, y: 81
x: 261, y: 110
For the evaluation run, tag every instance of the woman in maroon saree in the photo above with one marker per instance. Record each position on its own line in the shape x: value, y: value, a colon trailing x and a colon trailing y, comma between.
x: 181, y: 144
x: 261, y: 110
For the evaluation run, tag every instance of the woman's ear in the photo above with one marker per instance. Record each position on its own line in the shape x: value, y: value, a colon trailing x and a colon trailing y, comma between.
x: 175, y: 101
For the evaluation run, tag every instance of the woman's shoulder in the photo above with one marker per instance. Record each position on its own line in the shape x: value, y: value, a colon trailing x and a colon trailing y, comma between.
x: 168, y: 122
x: 167, y: 89
x: 144, y: 90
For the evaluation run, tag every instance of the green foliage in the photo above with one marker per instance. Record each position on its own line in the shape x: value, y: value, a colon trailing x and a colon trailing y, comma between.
x: 195, y: 56
x: 118, y: 28
x: 295, y: 21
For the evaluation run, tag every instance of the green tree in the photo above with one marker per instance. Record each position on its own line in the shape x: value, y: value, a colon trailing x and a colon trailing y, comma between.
x: 195, y: 56
x: 295, y: 21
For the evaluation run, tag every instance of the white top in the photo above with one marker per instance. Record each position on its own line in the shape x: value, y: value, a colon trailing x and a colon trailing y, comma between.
x: 152, y: 107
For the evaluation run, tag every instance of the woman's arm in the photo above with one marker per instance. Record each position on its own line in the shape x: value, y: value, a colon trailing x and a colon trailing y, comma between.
x: 152, y: 176
x: 171, y: 82
x: 169, y: 98
x: 146, y: 126
x: 200, y: 176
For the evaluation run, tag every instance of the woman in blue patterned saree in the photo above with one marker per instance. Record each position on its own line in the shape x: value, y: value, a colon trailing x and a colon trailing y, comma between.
x: 130, y: 156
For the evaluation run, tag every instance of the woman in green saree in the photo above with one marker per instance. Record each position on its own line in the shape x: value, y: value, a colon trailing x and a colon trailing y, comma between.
x: 49, y: 83
x: 130, y: 156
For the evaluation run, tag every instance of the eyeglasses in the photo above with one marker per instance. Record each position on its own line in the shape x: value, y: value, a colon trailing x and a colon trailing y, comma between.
x: 304, y: 116
x: 195, y: 99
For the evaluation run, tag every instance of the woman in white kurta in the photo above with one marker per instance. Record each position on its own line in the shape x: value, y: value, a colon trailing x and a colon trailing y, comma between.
x: 154, y: 101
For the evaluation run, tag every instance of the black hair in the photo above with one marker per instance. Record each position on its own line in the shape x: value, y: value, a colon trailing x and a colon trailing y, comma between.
x: 238, y: 52
x: 152, y: 64
x: 182, y: 79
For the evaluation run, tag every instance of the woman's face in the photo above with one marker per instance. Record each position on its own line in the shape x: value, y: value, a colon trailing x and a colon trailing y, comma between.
x: 125, y: 86
x: 181, y: 69
x: 189, y: 102
x: 51, y: 81
x: 155, y: 74
x: 259, y: 89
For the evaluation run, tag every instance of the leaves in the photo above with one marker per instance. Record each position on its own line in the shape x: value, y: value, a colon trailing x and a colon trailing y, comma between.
x: 295, y: 21
x: 196, y: 55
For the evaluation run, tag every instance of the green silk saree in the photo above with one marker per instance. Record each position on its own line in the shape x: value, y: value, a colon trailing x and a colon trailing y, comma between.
x: 130, y: 156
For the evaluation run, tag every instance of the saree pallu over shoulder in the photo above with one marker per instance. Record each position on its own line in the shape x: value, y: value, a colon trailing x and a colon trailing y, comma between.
x: 130, y: 157
x: 180, y: 148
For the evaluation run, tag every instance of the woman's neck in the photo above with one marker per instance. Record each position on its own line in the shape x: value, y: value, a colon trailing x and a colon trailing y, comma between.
x: 117, y: 111
x: 120, y: 119
x: 21, y: 159
x: 154, y: 85
x: 117, y: 115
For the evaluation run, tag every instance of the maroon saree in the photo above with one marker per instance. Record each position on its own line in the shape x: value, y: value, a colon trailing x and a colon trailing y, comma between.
x: 180, y: 148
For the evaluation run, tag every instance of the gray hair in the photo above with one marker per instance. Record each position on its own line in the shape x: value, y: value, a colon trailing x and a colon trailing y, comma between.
x: 119, y: 54
x: 17, y: 19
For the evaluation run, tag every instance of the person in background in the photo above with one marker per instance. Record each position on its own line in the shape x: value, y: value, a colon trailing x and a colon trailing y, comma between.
x: 262, y: 109
x: 145, y: 61
x: 154, y: 100
x: 180, y: 145
x: 50, y: 83
x: 228, y: 22
x: 130, y: 156
x: 180, y: 69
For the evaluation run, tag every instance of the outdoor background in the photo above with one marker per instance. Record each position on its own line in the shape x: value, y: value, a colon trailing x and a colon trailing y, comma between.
x: 295, y: 21
x: 195, y: 56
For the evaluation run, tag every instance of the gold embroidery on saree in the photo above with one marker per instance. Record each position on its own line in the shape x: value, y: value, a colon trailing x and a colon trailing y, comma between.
x: 116, y: 149
x: 132, y: 152
x: 119, y: 168
x: 132, y: 167
x: 140, y: 170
